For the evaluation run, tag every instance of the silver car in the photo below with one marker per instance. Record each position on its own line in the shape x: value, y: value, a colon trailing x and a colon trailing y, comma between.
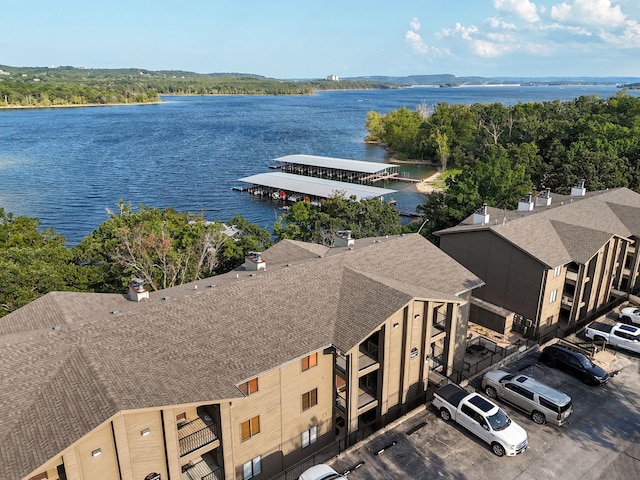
x: 541, y: 402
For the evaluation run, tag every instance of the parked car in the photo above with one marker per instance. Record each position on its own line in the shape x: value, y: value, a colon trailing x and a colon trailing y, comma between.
x: 620, y: 335
x: 481, y: 417
x: 630, y: 315
x: 542, y: 402
x: 321, y: 472
x: 575, y: 363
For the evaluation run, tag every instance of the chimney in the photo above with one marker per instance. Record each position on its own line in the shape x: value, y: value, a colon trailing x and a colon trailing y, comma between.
x: 526, y: 204
x: 344, y: 239
x: 253, y: 261
x: 481, y: 216
x: 578, y: 189
x: 544, y: 198
x: 137, y: 291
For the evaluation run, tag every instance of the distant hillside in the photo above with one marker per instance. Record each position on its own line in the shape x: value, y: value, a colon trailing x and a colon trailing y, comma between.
x: 452, y: 80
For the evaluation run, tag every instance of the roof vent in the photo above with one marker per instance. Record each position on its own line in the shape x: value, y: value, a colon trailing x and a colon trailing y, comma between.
x: 526, y: 204
x: 543, y: 199
x: 578, y: 190
x: 137, y: 292
x: 481, y: 216
x: 254, y: 261
x: 343, y: 238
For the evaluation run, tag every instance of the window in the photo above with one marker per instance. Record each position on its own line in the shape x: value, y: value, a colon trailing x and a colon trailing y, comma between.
x: 557, y: 271
x: 309, y: 399
x: 250, y: 428
x: 249, y: 387
x: 309, y: 437
x: 309, y: 361
x: 553, y: 296
x: 252, y: 468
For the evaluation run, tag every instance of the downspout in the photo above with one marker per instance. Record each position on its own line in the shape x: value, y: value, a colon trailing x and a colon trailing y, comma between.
x: 543, y: 285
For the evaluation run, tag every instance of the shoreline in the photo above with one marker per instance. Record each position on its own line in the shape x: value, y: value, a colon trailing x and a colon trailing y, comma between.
x: 78, y: 105
x: 427, y: 185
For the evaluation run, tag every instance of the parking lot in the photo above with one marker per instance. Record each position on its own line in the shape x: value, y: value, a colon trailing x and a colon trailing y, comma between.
x: 600, y: 441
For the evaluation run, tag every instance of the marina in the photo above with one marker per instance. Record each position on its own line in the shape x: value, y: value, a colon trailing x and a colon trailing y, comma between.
x: 313, y: 178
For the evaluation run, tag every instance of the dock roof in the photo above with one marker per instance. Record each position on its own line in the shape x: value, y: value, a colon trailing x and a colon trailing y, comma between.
x: 336, y: 163
x: 318, y: 187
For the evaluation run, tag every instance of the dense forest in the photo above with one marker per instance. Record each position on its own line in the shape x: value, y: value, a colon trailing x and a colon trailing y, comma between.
x: 68, y: 86
x: 504, y: 152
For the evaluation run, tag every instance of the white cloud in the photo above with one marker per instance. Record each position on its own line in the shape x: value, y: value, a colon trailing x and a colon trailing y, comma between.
x: 415, y: 42
x: 597, y: 13
x: 487, y: 49
x: 523, y: 9
x: 466, y: 33
x: 630, y: 37
x: 497, y: 22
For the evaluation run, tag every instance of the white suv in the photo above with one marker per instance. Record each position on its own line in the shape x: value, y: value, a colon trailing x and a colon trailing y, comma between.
x: 630, y: 315
x: 321, y: 472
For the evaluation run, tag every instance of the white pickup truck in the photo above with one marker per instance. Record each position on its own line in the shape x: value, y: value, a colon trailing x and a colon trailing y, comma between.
x: 620, y: 335
x: 482, y: 418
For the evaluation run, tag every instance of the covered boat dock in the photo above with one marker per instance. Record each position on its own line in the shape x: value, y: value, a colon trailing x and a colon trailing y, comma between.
x: 291, y: 187
x: 339, y: 169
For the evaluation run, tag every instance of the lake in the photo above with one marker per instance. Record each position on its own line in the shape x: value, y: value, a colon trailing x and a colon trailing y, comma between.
x: 66, y: 166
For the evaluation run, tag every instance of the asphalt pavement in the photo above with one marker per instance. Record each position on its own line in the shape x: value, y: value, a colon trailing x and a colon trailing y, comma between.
x: 600, y: 441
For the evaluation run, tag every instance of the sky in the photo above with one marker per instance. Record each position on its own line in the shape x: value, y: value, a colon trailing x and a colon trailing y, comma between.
x: 299, y: 39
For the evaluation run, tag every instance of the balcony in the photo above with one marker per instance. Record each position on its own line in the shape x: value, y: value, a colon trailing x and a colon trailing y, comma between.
x: 438, y: 329
x: 571, y: 277
x: 366, y: 401
x: 567, y: 301
x: 204, y: 469
x: 366, y: 362
x: 196, y: 434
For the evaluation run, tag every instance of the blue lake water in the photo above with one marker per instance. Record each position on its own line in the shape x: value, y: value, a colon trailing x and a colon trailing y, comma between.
x: 66, y: 166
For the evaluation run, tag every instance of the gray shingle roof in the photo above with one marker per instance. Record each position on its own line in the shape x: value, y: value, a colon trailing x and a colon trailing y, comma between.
x: 567, y: 230
x: 195, y: 346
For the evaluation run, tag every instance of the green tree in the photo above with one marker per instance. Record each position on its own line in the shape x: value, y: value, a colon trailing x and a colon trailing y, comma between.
x: 365, y: 218
x: 163, y: 247
x: 33, y: 262
x: 246, y: 237
x: 375, y: 126
x: 496, y: 180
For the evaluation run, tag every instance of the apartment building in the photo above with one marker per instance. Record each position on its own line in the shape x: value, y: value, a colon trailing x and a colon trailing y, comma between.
x: 554, y: 262
x: 237, y: 376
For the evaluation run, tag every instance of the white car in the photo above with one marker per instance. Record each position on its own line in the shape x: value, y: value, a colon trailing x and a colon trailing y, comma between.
x: 630, y: 315
x: 321, y: 472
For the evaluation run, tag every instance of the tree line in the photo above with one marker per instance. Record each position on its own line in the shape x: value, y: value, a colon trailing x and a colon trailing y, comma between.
x: 502, y: 153
x: 46, y: 87
x: 163, y: 247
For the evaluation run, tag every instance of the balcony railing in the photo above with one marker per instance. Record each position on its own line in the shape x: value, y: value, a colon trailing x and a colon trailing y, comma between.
x: 195, y: 435
x: 365, y: 360
x: 365, y: 398
x: 203, y: 470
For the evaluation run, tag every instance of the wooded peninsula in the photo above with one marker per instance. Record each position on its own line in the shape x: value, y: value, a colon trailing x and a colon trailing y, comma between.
x: 71, y: 86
